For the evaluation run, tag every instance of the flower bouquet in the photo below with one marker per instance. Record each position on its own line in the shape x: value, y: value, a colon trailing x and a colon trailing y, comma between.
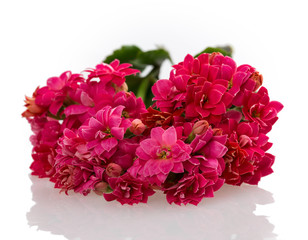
x: 187, y: 135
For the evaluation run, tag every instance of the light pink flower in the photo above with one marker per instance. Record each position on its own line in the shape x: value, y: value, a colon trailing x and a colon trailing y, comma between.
x: 128, y: 190
x: 258, y: 108
x: 103, y: 131
x: 159, y: 155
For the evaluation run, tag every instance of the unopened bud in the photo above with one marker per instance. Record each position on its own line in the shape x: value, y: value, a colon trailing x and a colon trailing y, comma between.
x: 100, y: 188
x: 113, y: 170
x: 200, y: 127
x: 137, y: 127
x: 123, y: 87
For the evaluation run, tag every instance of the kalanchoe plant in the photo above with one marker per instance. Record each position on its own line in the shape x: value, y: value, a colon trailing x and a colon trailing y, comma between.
x: 206, y: 126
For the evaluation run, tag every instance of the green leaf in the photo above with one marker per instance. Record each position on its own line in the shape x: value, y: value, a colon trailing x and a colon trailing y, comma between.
x: 153, y: 57
x: 224, y: 50
x: 132, y: 54
x: 126, y: 54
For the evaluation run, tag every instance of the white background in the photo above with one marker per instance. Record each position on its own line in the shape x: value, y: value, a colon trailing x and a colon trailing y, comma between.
x: 40, y: 39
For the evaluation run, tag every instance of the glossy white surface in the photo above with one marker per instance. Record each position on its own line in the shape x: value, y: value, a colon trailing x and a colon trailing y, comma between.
x: 40, y: 39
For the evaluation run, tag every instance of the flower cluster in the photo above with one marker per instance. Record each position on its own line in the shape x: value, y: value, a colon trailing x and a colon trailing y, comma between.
x: 207, y: 127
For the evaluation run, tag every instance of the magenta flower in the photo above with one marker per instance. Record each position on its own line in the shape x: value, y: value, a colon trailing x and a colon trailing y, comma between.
x: 210, y: 66
x: 246, y: 153
x: 245, y: 78
x: 112, y: 73
x: 58, y: 92
x: 134, y: 107
x: 128, y: 190
x: 193, y: 188
x: 209, y: 100
x: 126, y: 152
x: 159, y: 155
x: 76, y: 175
x: 207, y: 152
x: 43, y: 161
x: 258, y: 108
x: 103, y: 131
x: 170, y: 94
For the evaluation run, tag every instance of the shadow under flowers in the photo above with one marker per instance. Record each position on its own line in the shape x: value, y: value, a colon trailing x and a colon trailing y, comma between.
x: 229, y: 215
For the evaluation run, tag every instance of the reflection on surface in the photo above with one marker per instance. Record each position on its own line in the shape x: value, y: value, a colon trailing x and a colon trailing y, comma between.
x: 227, y: 216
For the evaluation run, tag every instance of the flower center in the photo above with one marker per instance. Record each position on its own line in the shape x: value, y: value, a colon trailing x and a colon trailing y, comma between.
x: 165, y: 153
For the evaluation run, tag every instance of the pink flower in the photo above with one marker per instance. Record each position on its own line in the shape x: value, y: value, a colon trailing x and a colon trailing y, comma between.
x: 112, y: 73
x: 211, y: 66
x: 58, y: 92
x: 159, y: 155
x: 258, y: 108
x: 193, y: 188
x: 43, y: 161
x: 208, y: 100
x: 134, y: 107
x: 73, y: 174
x: 262, y: 167
x: 126, y: 152
x: 32, y: 108
x: 246, y: 151
x: 128, y: 190
x: 103, y: 131
x: 170, y: 94
x: 245, y: 78
x: 207, y: 152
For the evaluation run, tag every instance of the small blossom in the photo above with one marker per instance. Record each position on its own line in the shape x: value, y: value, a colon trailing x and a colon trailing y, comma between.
x: 128, y: 190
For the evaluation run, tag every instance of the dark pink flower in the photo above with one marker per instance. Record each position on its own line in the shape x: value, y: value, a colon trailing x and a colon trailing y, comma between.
x: 193, y: 188
x: 208, y: 100
x: 74, y: 174
x: 126, y: 152
x: 246, y: 150
x: 59, y: 92
x: 103, y: 131
x: 262, y: 167
x: 112, y: 73
x: 159, y: 155
x: 258, y: 108
x: 207, y: 152
x: 245, y: 78
x: 210, y: 66
x: 170, y: 94
x: 43, y: 161
x: 134, y: 107
x: 128, y: 190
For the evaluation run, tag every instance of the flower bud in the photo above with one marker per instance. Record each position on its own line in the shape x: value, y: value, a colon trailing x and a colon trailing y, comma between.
x: 123, y: 87
x: 100, y: 188
x: 137, y: 127
x: 258, y: 79
x: 200, y: 127
x: 113, y: 170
